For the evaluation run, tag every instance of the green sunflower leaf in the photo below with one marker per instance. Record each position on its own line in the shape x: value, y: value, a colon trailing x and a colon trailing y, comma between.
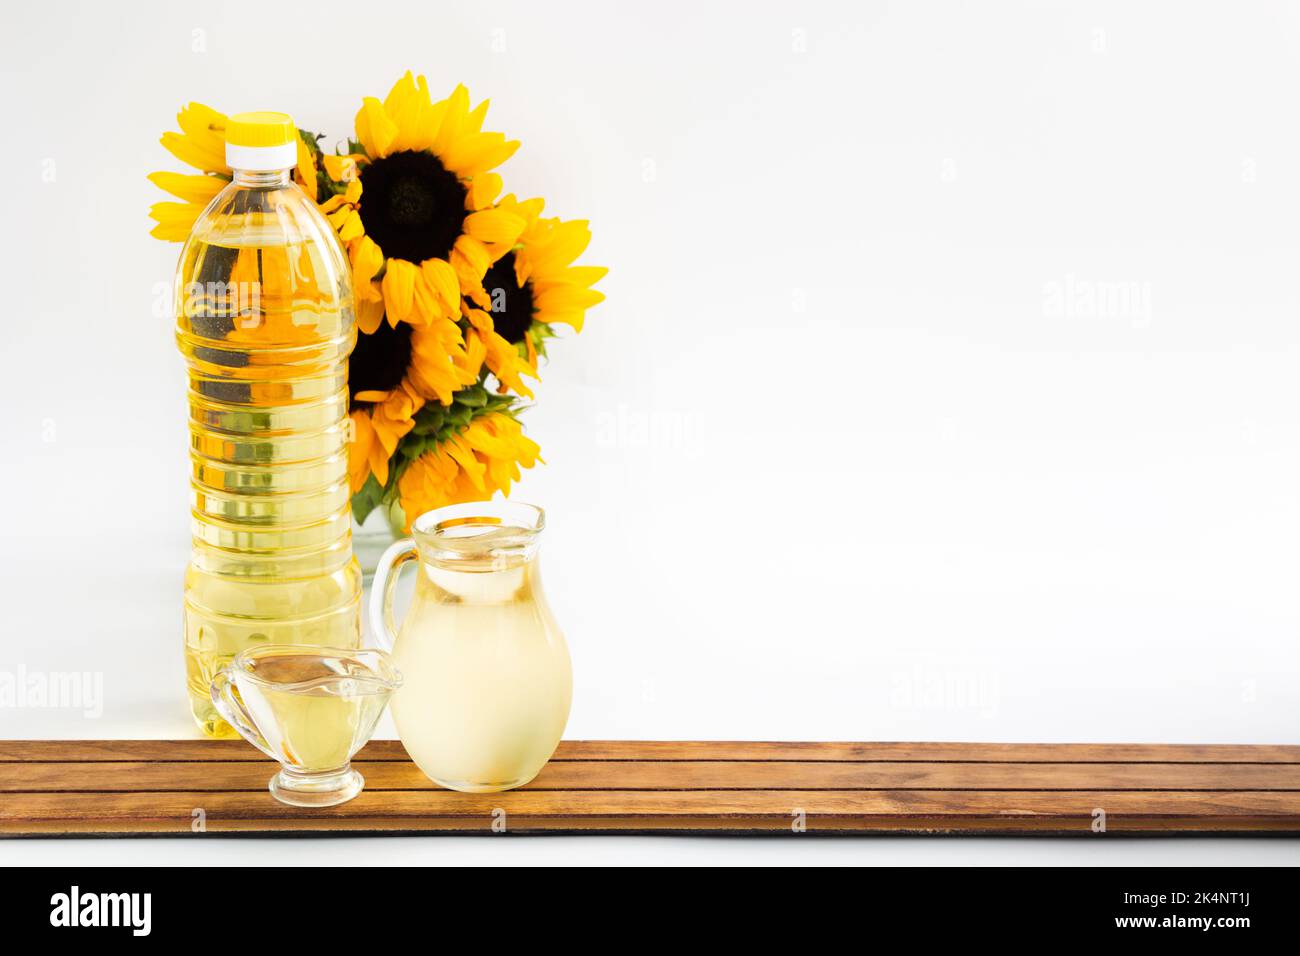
x: 435, y: 423
x: 367, y: 499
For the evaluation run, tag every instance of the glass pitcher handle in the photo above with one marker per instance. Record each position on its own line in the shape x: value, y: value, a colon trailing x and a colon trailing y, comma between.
x: 233, y: 712
x: 382, y: 629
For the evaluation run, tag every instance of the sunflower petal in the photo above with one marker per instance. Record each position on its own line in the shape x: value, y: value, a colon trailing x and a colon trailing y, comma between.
x: 362, y: 436
x: 575, y: 320
x: 370, y: 314
x: 342, y: 169
x: 175, y: 220
x: 337, y: 213
x: 495, y: 226
x: 471, y: 260
x: 405, y: 105
x: 562, y: 298
x: 367, y: 259
x: 401, y: 93
x: 430, y: 120
x: 530, y: 209
x: 352, y: 227
x: 441, y: 279
x: 502, y: 357
x: 463, y: 455
x: 378, y: 460
x: 455, y: 109
x: 478, y: 153
x: 585, y: 276
x: 480, y: 320
x: 306, y: 170
x: 204, y: 130
x: 375, y: 128
x: 187, y: 152
x: 472, y: 358
x: 474, y: 121
x: 195, y: 189
x: 399, y: 289
x: 426, y: 305
x: 483, y: 191
x: 565, y: 242
x: 204, y: 124
x: 473, y: 256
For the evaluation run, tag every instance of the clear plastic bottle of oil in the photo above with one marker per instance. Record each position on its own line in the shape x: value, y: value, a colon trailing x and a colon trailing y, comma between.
x: 265, y: 322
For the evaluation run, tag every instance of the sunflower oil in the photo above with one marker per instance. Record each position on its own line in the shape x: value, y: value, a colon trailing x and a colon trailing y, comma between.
x: 314, y: 710
x: 486, y: 676
x: 265, y: 323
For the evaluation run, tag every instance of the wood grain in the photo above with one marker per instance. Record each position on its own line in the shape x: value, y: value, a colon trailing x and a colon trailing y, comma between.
x: 150, y: 787
x: 177, y: 750
x: 197, y: 776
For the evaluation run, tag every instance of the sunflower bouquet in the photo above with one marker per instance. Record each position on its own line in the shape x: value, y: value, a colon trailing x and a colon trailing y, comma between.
x: 458, y: 288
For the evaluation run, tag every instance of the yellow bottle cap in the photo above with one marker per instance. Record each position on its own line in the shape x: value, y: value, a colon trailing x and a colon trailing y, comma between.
x: 260, y: 129
x: 261, y: 141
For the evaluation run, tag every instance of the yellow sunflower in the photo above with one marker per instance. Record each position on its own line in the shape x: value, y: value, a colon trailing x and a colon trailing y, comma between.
x: 472, y: 465
x: 417, y: 213
x: 529, y: 287
x: 391, y: 374
x: 201, y: 143
x: 416, y: 216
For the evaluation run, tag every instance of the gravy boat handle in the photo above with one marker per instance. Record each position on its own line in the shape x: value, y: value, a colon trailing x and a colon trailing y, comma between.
x: 232, y: 709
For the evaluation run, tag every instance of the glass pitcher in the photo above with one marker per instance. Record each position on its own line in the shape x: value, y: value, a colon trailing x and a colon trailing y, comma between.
x: 487, y: 679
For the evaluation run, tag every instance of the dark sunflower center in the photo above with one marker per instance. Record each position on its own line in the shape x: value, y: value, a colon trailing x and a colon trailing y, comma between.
x: 512, y: 306
x: 379, y: 361
x: 412, y: 206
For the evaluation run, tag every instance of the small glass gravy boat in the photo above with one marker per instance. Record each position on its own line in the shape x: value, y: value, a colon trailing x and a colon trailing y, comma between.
x: 309, y: 707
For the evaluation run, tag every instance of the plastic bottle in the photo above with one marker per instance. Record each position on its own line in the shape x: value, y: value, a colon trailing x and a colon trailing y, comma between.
x: 265, y: 322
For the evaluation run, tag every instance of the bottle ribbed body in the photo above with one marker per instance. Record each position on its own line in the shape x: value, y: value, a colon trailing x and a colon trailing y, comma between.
x: 265, y: 323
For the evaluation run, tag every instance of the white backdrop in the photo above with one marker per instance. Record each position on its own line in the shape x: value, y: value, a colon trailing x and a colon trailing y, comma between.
x: 946, y: 387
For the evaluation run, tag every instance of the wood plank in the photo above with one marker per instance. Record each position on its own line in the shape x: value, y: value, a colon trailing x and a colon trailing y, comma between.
x: 684, y: 825
x: 690, y: 750
x: 140, y: 787
x: 926, y: 751
x: 252, y: 775
x: 433, y: 811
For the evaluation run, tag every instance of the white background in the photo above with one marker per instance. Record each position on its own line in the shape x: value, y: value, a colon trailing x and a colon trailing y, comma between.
x: 947, y: 387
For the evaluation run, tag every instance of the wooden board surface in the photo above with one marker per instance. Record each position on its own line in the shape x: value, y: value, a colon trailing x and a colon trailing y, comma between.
x: 135, y: 787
